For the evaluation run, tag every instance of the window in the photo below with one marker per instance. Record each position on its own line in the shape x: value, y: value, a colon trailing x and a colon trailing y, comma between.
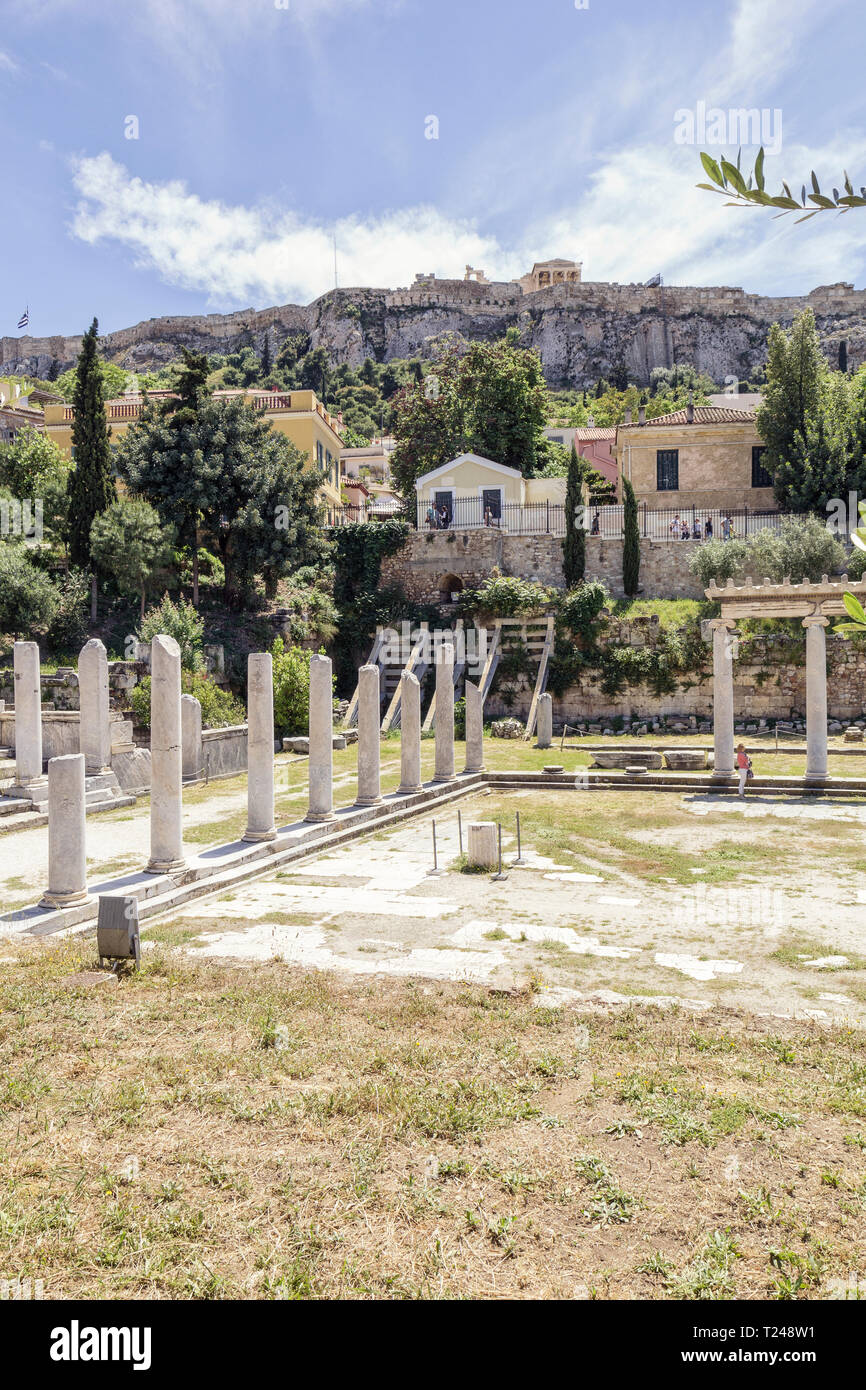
x: 667, y: 470
x: 491, y: 506
x: 760, y: 476
x: 320, y: 454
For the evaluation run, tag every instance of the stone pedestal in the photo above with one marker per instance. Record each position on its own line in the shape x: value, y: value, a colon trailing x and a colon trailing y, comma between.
x: 166, y: 759
x: 321, y: 806
x: 190, y: 723
x: 544, y: 725
x: 444, y: 718
x: 410, y: 734
x: 816, y: 698
x: 260, y: 748
x: 67, y: 864
x: 29, y: 776
x: 482, y: 847
x: 474, y: 728
x: 723, y: 697
x: 369, y: 717
x: 94, y: 729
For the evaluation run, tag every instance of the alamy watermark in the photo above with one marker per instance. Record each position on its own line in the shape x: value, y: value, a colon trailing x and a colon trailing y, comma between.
x: 470, y: 646
x: 737, y: 126
x: 21, y: 517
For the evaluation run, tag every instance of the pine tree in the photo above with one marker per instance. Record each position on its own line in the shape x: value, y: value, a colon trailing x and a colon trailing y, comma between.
x: 574, y: 545
x: 91, y: 486
x: 630, y: 542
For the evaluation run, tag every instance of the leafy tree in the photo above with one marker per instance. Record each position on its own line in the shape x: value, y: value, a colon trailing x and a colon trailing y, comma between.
x: 28, y: 599
x: 492, y: 400
x: 130, y: 542
x: 827, y: 460
x: 729, y: 181
x: 91, y: 486
x: 574, y: 545
x: 29, y: 462
x: 219, y: 707
x: 795, y: 373
x: 717, y: 560
x: 631, y: 541
x: 115, y: 381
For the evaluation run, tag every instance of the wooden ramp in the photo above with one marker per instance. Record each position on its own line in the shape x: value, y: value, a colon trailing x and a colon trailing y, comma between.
x: 541, y: 678
x: 350, y: 718
x: 416, y: 665
x: 459, y: 668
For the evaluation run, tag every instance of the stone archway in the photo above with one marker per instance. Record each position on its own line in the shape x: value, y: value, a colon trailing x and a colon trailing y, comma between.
x: 449, y: 586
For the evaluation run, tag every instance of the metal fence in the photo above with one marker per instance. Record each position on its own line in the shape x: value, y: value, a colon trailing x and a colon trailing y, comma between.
x: 685, y: 523
x: 468, y: 513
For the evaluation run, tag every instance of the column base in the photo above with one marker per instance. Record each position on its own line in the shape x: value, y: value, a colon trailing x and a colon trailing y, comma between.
x: 445, y: 777
x: 255, y: 837
x: 61, y: 900
x: 815, y: 776
x: 317, y: 817
x: 165, y: 866
x: 467, y: 769
x: 36, y: 789
x: 409, y: 791
x: 368, y: 801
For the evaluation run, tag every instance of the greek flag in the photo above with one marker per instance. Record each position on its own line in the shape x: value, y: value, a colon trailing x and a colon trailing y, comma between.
x: 25, y: 318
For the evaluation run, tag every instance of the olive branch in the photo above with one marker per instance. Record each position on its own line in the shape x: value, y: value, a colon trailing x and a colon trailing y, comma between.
x: 728, y: 180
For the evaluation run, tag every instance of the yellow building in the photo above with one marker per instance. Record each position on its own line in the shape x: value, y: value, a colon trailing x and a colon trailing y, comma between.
x: 473, y: 491
x: 296, y: 414
x: 702, y: 457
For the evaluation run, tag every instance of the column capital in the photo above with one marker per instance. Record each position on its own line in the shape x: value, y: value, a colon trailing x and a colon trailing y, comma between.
x: 816, y: 620
x: 722, y: 624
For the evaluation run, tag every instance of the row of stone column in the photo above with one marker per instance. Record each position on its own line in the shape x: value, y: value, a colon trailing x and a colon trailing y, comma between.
x: 816, y: 696
x: 66, y: 775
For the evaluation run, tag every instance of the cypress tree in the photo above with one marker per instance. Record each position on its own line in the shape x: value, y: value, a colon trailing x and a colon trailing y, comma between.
x: 574, y: 545
x: 91, y: 486
x: 266, y: 356
x: 630, y: 542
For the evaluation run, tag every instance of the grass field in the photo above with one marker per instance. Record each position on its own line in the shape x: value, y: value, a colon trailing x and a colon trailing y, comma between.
x: 205, y: 1131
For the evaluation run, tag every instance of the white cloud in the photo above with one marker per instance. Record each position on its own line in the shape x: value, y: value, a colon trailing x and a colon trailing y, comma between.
x: 8, y: 63
x: 641, y: 214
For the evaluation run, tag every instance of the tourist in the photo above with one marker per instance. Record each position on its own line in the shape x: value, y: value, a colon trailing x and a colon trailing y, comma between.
x: 431, y: 517
x: 726, y: 527
x: 675, y: 528
x: 594, y: 530
x: 443, y: 518
x: 696, y: 530
x: 744, y: 767
x: 708, y: 529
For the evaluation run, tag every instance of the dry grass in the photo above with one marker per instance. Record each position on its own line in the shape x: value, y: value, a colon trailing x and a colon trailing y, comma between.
x: 204, y: 1131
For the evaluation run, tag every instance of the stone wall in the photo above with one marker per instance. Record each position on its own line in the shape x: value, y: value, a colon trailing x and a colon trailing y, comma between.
x: 768, y: 684
x: 429, y: 557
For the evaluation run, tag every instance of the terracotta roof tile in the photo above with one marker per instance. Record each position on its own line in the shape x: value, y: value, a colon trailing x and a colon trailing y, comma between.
x: 705, y: 415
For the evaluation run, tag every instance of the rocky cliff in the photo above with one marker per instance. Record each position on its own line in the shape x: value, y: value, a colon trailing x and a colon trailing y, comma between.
x: 582, y: 331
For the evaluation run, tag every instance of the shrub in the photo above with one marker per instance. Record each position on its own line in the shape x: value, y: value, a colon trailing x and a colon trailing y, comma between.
x: 504, y: 596
x: 802, y: 548
x: 579, y: 609
x: 29, y: 601
x: 717, y: 560
x: 291, y: 688
x: 180, y: 621
x: 219, y: 707
x: 68, y: 630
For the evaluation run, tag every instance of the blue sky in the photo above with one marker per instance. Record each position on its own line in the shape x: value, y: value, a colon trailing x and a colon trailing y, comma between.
x: 266, y: 127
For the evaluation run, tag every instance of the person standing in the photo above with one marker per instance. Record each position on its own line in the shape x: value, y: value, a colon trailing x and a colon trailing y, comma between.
x: 744, y: 768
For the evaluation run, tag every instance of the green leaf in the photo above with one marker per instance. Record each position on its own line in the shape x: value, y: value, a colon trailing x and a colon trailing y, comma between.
x: 854, y: 608
x: 733, y: 175
x: 759, y: 169
x: 712, y: 169
x: 815, y: 185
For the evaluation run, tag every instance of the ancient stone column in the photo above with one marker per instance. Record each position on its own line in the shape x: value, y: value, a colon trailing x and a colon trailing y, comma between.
x: 67, y: 865
x: 444, y: 718
x: 321, y: 740
x: 723, y: 697
x: 166, y: 758
x: 190, y: 725
x: 474, y: 728
x: 28, y: 717
x: 482, y: 848
x: 94, y: 732
x: 260, y: 747
x: 816, y: 697
x: 369, y: 719
x: 545, y: 721
x: 410, y: 734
